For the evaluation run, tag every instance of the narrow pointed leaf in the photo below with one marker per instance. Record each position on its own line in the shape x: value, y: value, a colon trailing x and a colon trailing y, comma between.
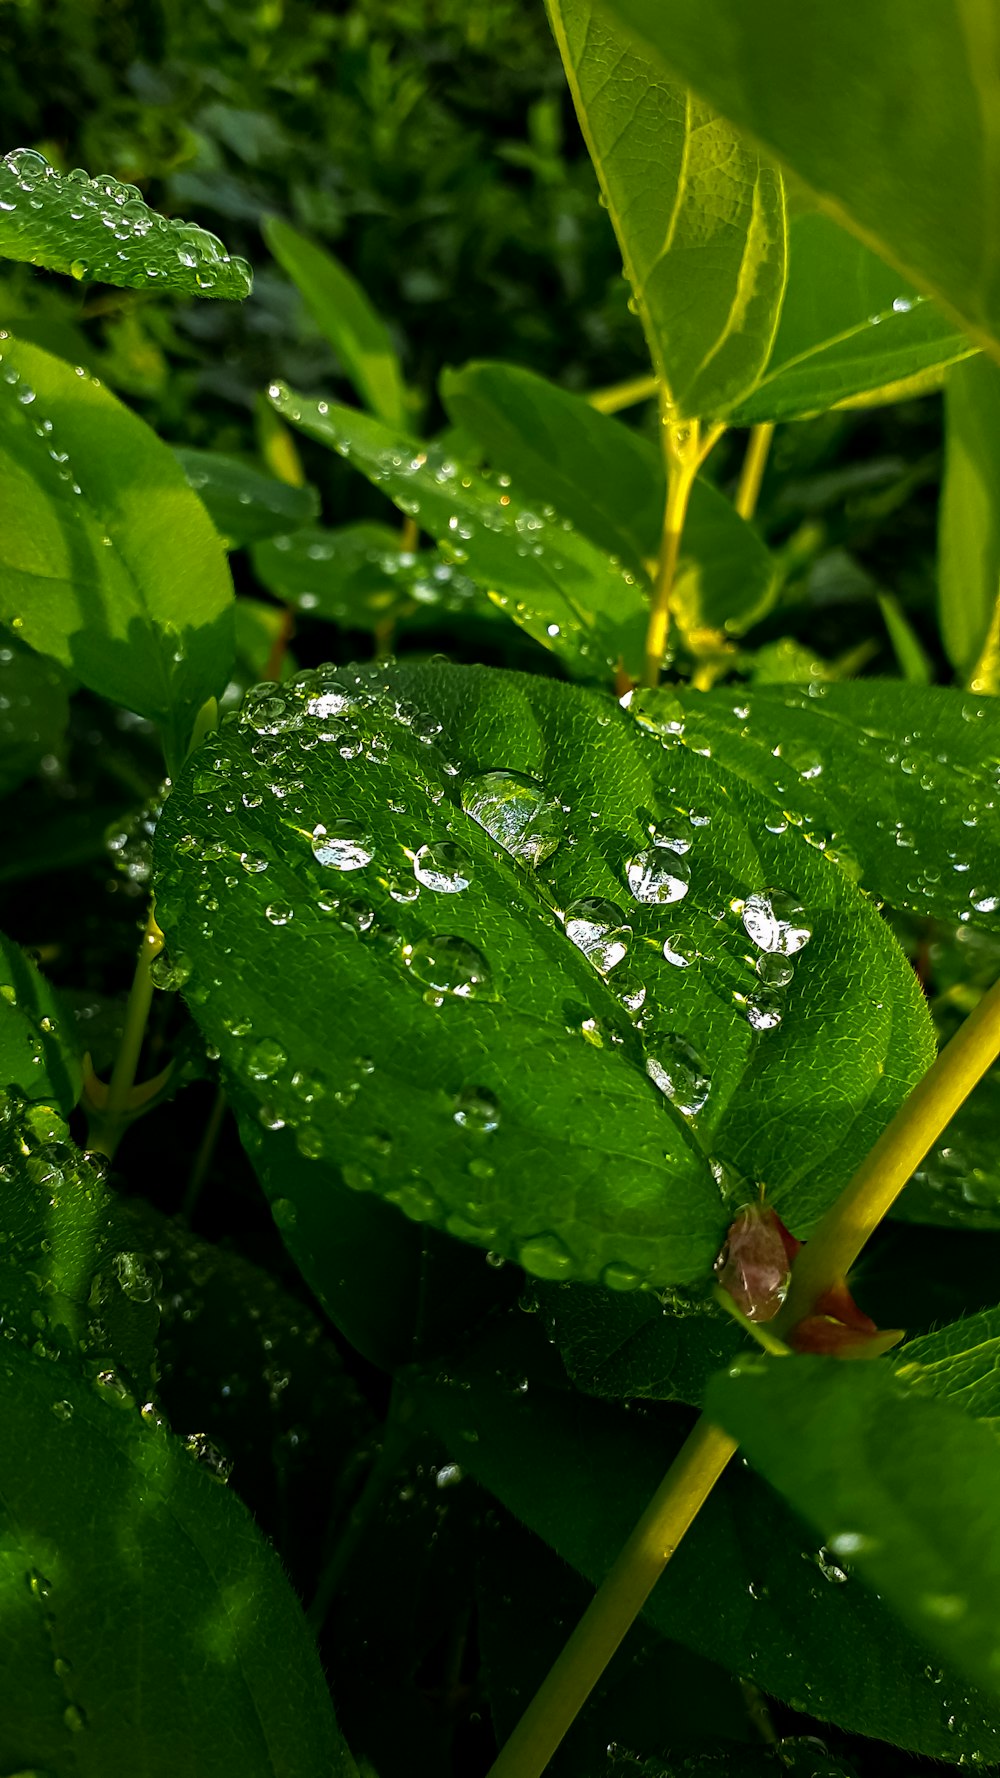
x: 899, y: 1485
x: 549, y: 578
x: 889, y: 119
x: 244, y: 504
x: 38, y: 1049
x: 108, y: 561
x: 342, y: 312
x: 351, y: 883
x: 700, y: 219
x: 969, y: 533
x: 98, y: 228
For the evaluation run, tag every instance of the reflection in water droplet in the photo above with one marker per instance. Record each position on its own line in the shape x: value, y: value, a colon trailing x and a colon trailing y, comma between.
x: 680, y: 1073
x: 200, y: 1446
x: 343, y: 845
x: 265, y: 1059
x: 280, y: 913
x: 477, y: 1109
x: 443, y: 867
x: 139, y: 1278
x: 517, y: 812
x: 449, y: 965
x: 658, y: 876
x: 776, y: 922
x: 775, y: 971
x: 598, y: 929
x: 546, y: 1257
x: 764, y: 1011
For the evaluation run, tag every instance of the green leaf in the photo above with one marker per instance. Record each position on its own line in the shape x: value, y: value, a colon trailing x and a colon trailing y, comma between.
x: 890, y: 122
x: 909, y: 650
x: 897, y: 1483
x: 109, y: 563
x: 34, y: 711
x: 969, y: 525
x: 638, y: 1345
x: 552, y: 581
x: 392, y: 948
x: 960, y: 1363
x: 243, y: 504
x: 100, y: 229
x: 957, y: 1184
x: 851, y: 330
x: 922, y: 759
x: 748, y: 1587
x: 342, y: 312
x: 700, y: 219
x: 610, y: 483
x: 38, y: 1050
x: 358, y: 576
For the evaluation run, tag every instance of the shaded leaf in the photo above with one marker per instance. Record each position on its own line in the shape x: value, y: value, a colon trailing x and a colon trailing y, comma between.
x: 960, y: 1363
x: 342, y: 312
x: 38, y: 1046
x: 899, y: 1485
x: 639, y: 1344
x: 700, y: 219
x: 890, y: 125
x: 34, y: 711
x: 109, y: 562
x: 243, y: 504
x: 969, y: 527
x: 551, y: 580
x: 358, y: 576
x: 98, y: 228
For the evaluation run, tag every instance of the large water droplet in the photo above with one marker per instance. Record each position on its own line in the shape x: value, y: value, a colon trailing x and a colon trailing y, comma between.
x: 775, y: 921
x: 546, y: 1256
x: 517, y: 812
x: 659, y: 875
x: 444, y: 867
x: 449, y: 965
x: 680, y: 1073
x: 476, y: 1108
x: 598, y: 929
x: 343, y: 845
x: 266, y: 1059
x: 139, y: 1278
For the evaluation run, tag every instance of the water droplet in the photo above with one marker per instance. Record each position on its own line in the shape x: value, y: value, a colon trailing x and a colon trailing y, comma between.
x: 775, y: 971
x: 75, y: 1719
x: 343, y: 845
x: 284, y: 1213
x: 776, y: 922
x: 618, y: 1276
x: 680, y: 1073
x: 265, y: 1059
x: 63, y: 1410
x: 279, y: 912
x: 199, y: 1446
x: 764, y: 1011
x: 168, y: 972
x: 449, y: 965
x: 139, y: 1278
x: 680, y: 950
x: 598, y: 929
x: 658, y: 876
x: 443, y: 867
x: 477, y: 1109
x: 517, y: 812
x: 546, y: 1257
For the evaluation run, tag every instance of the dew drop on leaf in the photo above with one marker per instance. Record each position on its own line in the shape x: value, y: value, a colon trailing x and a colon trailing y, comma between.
x: 776, y: 922
x: 546, y: 1257
x: 658, y: 876
x: 681, y: 1074
x: 449, y: 965
x: 598, y: 929
x: 343, y: 845
x: 443, y: 867
x: 517, y: 812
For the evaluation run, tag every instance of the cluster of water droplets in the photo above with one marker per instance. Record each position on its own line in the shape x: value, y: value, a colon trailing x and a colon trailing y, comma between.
x: 316, y: 571
x: 119, y: 239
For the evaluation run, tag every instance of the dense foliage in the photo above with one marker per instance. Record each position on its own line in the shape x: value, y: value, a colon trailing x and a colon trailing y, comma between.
x: 539, y: 726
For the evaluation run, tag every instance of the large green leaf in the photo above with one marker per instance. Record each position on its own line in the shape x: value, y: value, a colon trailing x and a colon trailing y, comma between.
x: 899, y: 1484
x: 960, y: 1362
x: 108, y: 561
x: 358, y: 576
x: 898, y: 782
x: 347, y: 870
x: 890, y: 118
x: 749, y: 1586
x: 850, y: 327
x: 969, y: 534
x: 549, y: 578
x: 243, y: 503
x: 610, y: 483
x: 146, y: 1626
x: 38, y: 1051
x: 700, y: 219
x: 342, y: 311
x: 34, y: 711
x: 100, y: 228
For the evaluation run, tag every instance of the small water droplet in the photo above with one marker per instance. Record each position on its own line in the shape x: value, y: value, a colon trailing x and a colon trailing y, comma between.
x: 343, y: 845
x: 265, y: 1059
x: 776, y: 922
x: 658, y: 876
x: 546, y: 1256
x: 598, y: 929
x: 680, y: 1073
x: 443, y: 867
x: 449, y: 965
x: 477, y: 1109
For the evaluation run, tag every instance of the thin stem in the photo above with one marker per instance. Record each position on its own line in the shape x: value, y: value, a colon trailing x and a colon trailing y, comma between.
x: 616, y: 1604
x: 279, y: 647
x: 203, y: 1158
x: 752, y: 472
x: 685, y: 448
x: 622, y: 395
x: 985, y: 675
x: 113, y: 1118
x: 398, y: 1436
x: 836, y: 1243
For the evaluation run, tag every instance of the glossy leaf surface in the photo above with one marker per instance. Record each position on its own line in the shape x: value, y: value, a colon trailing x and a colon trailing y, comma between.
x: 364, y: 872
x: 896, y: 781
x: 34, y: 711
x: 98, y: 228
x: 108, y: 562
x: 38, y: 1050
x: 358, y: 576
x: 959, y: 1362
x: 748, y: 1587
x: 699, y: 217
x: 891, y: 125
x: 243, y: 504
x: 549, y: 578
x: 850, y: 327
x: 609, y: 482
x: 900, y: 1486
x: 969, y: 525
x: 342, y: 312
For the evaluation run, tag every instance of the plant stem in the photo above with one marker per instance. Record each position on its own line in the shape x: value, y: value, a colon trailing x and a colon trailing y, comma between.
x: 622, y: 395
x: 985, y: 675
x: 399, y: 1434
x: 203, y: 1158
x: 279, y: 647
x: 752, y: 472
x: 616, y: 1604
x: 685, y: 449
x: 113, y: 1118
x: 843, y: 1231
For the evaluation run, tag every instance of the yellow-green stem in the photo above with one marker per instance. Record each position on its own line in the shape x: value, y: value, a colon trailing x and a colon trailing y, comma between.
x: 685, y: 448
x: 616, y: 1604
x: 985, y: 675
x: 113, y: 1119
x: 622, y: 395
x: 752, y: 472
